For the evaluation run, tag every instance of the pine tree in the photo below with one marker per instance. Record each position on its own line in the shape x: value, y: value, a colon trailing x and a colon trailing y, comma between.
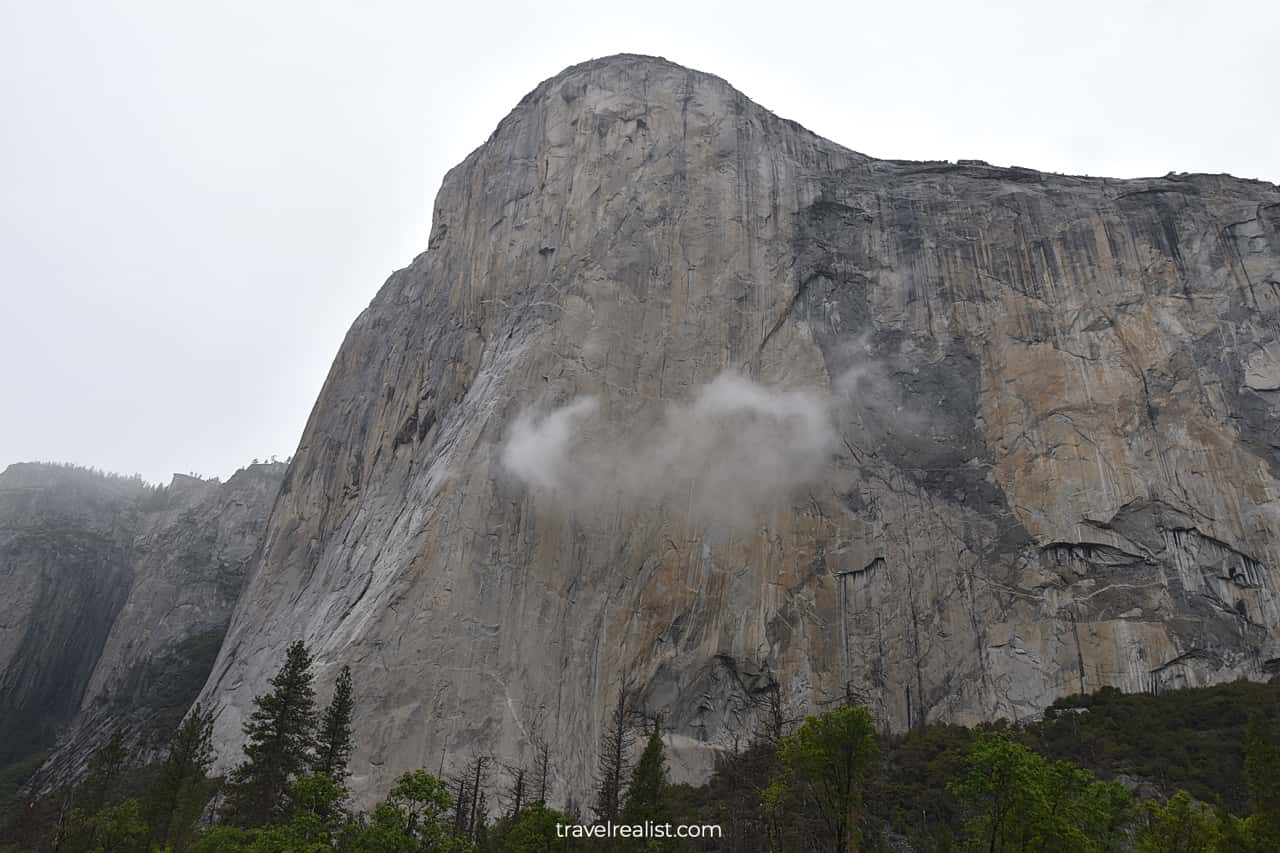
x: 280, y: 738
x: 105, y: 768
x: 615, y: 749
x: 646, y: 795
x: 517, y: 792
x: 333, y: 743
x: 79, y: 830
x: 179, y: 794
x: 480, y: 827
x: 461, y: 805
x: 1262, y: 770
x: 479, y: 778
x: 540, y: 773
x: 541, y: 770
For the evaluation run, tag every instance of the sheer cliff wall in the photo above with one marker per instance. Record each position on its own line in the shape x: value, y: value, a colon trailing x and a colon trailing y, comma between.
x: 115, y: 599
x: 1057, y: 466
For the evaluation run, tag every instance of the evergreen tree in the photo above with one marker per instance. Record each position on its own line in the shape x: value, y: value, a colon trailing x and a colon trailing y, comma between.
x: 182, y: 788
x: 90, y: 813
x: 1262, y: 771
x: 461, y: 804
x: 517, y: 792
x: 105, y: 768
x: 333, y: 743
x: 540, y: 778
x: 646, y: 795
x: 480, y: 829
x: 280, y: 737
x: 479, y: 772
x: 615, y: 749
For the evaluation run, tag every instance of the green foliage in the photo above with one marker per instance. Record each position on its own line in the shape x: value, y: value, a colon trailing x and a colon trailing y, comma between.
x: 1181, y: 825
x: 169, y: 682
x: 224, y: 839
x: 613, y: 759
x: 281, y: 736
x: 646, y: 795
x: 12, y: 778
x: 313, y: 827
x: 833, y: 785
x: 1234, y: 834
x: 414, y: 817
x: 732, y: 798
x: 826, y: 763
x: 411, y: 820
x: 1262, y: 769
x: 1016, y: 800
x: 421, y: 802
x: 182, y: 788
x: 319, y: 796
x: 532, y: 830
x: 315, y: 824
x: 910, y: 794
x: 105, y: 768
x: 116, y: 829
x: 333, y: 742
x: 1190, y: 740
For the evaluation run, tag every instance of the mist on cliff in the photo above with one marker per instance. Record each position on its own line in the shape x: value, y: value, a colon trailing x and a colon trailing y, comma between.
x: 734, y: 449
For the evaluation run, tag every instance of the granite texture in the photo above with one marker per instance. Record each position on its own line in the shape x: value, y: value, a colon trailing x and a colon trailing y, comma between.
x: 1058, y: 464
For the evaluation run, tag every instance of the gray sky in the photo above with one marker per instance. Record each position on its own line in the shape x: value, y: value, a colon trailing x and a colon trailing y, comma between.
x: 198, y: 198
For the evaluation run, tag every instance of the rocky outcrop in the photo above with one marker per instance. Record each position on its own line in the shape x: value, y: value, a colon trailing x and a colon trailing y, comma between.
x: 64, y: 546
x: 1057, y: 463
x: 117, y: 597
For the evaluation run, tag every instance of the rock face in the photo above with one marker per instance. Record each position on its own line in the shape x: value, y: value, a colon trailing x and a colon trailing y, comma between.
x: 1058, y: 464
x: 64, y: 543
x: 116, y: 599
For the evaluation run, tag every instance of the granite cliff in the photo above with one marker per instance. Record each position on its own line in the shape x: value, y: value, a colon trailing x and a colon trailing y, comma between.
x: 1053, y: 458
x: 116, y: 596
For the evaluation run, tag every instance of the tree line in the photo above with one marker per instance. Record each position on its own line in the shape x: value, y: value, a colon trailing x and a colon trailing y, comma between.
x: 823, y: 782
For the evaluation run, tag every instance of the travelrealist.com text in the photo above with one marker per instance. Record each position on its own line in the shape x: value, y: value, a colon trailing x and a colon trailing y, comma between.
x: 648, y: 829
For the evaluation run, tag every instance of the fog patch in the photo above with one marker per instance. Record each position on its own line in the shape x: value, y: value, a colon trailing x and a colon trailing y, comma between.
x: 538, y: 449
x: 734, y: 450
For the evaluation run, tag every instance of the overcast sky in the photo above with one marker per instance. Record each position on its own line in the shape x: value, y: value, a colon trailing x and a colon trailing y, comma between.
x: 198, y: 198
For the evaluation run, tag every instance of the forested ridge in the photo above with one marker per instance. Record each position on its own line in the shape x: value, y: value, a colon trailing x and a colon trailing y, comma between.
x: 1185, y: 770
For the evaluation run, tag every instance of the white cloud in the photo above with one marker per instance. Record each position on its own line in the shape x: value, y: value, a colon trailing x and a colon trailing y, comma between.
x: 736, y: 449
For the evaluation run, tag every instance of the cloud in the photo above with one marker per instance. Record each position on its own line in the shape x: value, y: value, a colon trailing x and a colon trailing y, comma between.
x: 734, y: 450
x: 537, y: 451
